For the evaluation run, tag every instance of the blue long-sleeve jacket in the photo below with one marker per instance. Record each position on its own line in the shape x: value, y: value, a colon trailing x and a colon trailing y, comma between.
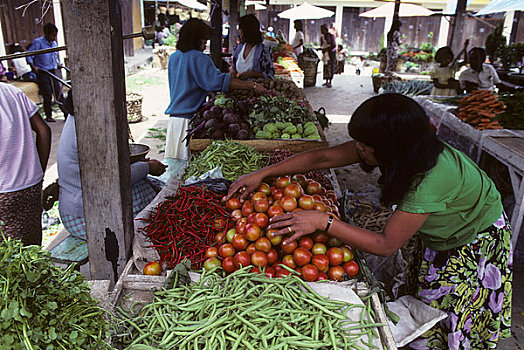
x: 192, y: 75
x: 46, y: 61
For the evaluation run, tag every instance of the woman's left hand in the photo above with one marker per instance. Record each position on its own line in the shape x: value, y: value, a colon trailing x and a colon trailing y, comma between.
x: 299, y: 223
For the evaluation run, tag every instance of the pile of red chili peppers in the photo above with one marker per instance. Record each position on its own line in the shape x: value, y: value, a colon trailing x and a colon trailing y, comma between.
x: 185, y: 225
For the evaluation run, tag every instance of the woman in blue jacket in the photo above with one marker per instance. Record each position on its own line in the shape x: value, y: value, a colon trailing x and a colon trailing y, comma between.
x: 192, y: 75
x: 251, y: 59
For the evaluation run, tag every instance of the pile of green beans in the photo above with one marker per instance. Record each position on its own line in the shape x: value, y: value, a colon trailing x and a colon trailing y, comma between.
x: 235, y: 158
x: 246, y: 311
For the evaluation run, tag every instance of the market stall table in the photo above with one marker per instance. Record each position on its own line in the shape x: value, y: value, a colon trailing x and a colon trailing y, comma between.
x: 507, y: 146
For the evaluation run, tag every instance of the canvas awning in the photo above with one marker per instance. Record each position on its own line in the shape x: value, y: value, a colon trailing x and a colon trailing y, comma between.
x: 502, y: 6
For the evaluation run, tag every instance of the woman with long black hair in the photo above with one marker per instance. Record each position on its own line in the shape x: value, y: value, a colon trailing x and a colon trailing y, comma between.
x: 440, y: 193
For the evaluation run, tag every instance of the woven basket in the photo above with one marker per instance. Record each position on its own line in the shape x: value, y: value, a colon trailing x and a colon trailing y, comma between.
x: 134, y: 107
x: 310, y: 67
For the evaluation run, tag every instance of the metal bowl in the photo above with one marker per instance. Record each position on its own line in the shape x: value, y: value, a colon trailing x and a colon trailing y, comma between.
x: 138, y: 152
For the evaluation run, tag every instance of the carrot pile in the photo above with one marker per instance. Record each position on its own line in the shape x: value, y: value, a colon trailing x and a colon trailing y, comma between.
x: 480, y: 109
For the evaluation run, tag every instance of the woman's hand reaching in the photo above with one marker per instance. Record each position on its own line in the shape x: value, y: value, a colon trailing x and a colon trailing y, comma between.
x: 244, y: 185
x: 299, y: 223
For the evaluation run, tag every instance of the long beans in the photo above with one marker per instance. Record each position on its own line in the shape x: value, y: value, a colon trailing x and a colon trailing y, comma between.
x: 246, y: 311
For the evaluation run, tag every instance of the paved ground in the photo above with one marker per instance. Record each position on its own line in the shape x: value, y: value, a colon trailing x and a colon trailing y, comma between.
x: 340, y: 101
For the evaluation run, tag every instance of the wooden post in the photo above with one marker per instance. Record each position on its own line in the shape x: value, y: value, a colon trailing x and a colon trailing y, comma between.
x: 94, y: 32
x: 127, y: 26
x: 455, y: 40
x: 233, y: 22
x: 216, y: 38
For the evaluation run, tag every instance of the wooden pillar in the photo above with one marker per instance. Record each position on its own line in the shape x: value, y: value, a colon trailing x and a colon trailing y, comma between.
x: 2, y: 43
x: 127, y: 25
x: 233, y: 23
x: 216, y: 38
x: 458, y: 27
x: 94, y: 32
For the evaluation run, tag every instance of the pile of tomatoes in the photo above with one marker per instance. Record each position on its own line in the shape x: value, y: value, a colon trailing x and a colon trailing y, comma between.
x: 315, y: 257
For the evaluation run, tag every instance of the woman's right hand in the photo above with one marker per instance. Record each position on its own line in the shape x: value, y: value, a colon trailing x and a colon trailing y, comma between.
x: 244, y: 185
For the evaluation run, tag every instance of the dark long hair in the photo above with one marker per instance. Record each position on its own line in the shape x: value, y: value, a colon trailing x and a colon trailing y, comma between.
x: 394, y: 27
x: 191, y: 35
x: 398, y: 130
x: 250, y: 27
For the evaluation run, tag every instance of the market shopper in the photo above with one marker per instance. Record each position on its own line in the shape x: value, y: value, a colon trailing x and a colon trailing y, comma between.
x: 393, y: 44
x: 480, y: 75
x: 298, y: 40
x: 328, y: 45
x: 342, y: 55
x: 251, y: 59
x: 466, y: 267
x: 192, y: 75
x: 70, y: 196
x: 23, y: 161
x: 47, y: 63
x: 444, y: 82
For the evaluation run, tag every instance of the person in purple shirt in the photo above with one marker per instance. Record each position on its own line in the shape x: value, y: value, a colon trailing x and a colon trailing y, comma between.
x: 47, y: 63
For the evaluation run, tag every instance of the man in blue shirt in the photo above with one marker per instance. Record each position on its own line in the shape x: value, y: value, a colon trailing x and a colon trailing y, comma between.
x: 47, y: 63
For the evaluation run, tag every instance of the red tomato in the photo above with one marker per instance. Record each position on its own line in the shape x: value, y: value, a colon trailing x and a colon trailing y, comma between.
x: 263, y: 244
x: 277, y: 193
x: 320, y: 237
x: 236, y: 214
x: 305, y: 242
x: 257, y: 196
x: 228, y: 264
x: 336, y: 273
x: 220, y: 224
x: 264, y: 188
x: 239, y: 242
x: 272, y: 256
x: 319, y: 206
x: 322, y: 276
x: 270, y: 272
x: 289, y: 262
x: 241, y: 225
x: 309, y: 273
x: 334, y: 242
x: 230, y: 234
x: 302, y: 256
x: 259, y: 259
x: 254, y: 270
x: 220, y: 237
x: 211, y: 263
x: 289, y: 203
x: 298, y: 269
x: 261, y: 220
x: 335, y: 255
x: 226, y: 250
x: 313, y: 188
x: 301, y: 179
x: 153, y: 268
x: 319, y: 248
x: 275, y: 240
x: 251, y: 248
x: 233, y: 203
x: 283, y: 181
x: 348, y: 254
x: 322, y: 190
x: 275, y: 210
x: 261, y: 205
x: 247, y: 208
x: 211, y: 252
x: 283, y: 273
x: 242, y: 259
x: 293, y: 190
x: 251, y: 218
x: 321, y: 261
x: 351, y: 268
x: 252, y: 232
x: 288, y: 245
x: 297, y: 209
x: 306, y: 202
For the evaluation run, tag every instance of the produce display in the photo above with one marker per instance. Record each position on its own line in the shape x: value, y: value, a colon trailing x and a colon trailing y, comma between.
x: 320, y: 176
x: 236, y: 159
x: 185, y: 225
x: 409, y: 88
x: 290, y: 64
x: 513, y: 116
x: 281, y: 118
x: 43, y: 306
x: 479, y: 109
x: 246, y: 311
x: 315, y: 257
x: 281, y: 70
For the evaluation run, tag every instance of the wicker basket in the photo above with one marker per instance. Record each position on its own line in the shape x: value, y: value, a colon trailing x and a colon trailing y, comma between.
x: 134, y: 107
x: 310, y: 67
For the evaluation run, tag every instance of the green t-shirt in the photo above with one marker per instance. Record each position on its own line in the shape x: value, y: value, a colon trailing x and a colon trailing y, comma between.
x: 461, y: 198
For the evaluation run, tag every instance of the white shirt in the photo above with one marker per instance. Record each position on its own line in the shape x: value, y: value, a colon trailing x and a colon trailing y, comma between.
x: 21, y: 66
x: 296, y: 40
x: 245, y: 64
x: 485, y: 80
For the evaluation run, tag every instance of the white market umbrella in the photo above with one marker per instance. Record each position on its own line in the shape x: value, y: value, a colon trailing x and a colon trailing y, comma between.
x: 257, y: 4
x: 306, y: 11
x: 192, y: 4
x: 406, y: 10
x: 501, y: 6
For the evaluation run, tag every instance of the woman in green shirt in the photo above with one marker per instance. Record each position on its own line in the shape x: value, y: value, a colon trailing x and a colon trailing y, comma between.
x: 440, y: 193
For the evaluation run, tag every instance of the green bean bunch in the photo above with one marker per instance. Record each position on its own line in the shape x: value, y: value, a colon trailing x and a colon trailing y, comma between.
x: 246, y: 311
x: 235, y: 158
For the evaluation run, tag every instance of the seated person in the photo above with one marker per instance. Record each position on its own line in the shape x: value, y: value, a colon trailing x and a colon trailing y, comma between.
x: 22, y: 68
x: 480, y: 75
x: 70, y: 197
